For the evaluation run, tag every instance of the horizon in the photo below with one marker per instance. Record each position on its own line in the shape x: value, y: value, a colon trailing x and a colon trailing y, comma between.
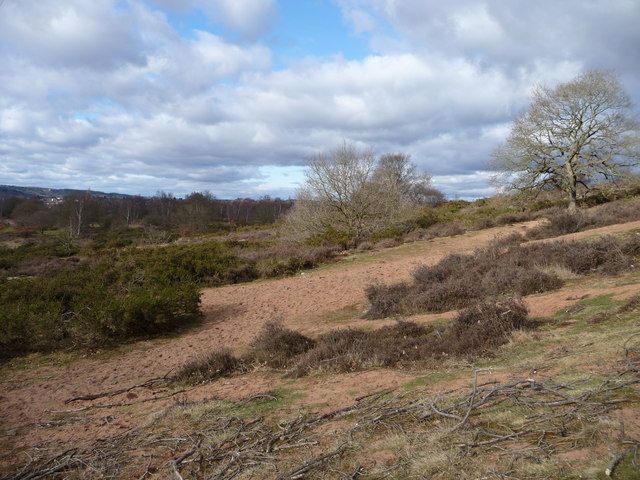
x: 231, y: 96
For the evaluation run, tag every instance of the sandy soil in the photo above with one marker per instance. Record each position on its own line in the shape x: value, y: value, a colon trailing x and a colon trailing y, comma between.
x: 32, y: 398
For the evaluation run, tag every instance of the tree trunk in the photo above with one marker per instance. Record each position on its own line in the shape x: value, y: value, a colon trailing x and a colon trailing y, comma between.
x: 572, y: 188
x: 572, y: 200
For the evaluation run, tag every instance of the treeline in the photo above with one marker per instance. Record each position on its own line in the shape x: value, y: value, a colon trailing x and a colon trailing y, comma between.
x: 198, y: 212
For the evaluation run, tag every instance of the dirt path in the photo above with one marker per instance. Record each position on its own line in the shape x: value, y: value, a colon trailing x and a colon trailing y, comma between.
x: 312, y: 302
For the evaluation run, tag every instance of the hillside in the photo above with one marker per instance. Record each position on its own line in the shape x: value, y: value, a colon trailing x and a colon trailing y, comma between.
x: 558, y: 400
x: 8, y: 191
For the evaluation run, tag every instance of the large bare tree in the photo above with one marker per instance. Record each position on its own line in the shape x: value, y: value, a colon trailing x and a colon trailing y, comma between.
x: 571, y: 135
x: 348, y: 190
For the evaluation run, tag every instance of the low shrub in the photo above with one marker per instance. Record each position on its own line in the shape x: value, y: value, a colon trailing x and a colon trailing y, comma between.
x: 562, y: 222
x: 284, y: 259
x: 446, y: 229
x: 387, y: 243
x: 331, y: 237
x: 484, y: 223
x: 208, y: 368
x: 97, y: 304
x: 276, y: 345
x: 484, y: 327
x: 459, y: 280
x: 475, y: 331
x: 365, y: 246
x: 508, y: 240
x: 510, y: 218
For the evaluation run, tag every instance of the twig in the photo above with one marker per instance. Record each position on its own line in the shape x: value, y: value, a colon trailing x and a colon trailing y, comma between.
x: 93, y: 396
x: 472, y: 399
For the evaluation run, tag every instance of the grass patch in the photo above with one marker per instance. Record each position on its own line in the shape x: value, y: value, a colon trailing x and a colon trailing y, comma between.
x: 250, y: 407
x: 342, y: 315
x: 434, y: 377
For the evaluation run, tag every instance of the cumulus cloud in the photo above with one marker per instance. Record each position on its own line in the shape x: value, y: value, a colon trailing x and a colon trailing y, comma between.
x: 248, y: 18
x: 109, y: 95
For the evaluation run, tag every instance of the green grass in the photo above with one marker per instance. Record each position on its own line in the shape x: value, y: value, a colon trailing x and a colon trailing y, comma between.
x: 433, y: 377
x: 587, y: 308
x: 625, y: 470
x: 247, y: 408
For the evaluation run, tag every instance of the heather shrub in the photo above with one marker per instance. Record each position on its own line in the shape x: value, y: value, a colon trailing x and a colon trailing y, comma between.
x: 562, y: 222
x: 483, y: 327
x: 338, y: 350
x: 446, y: 229
x: 508, y: 240
x: 475, y: 331
x: 385, y: 300
x: 484, y: 223
x: 207, y: 368
x: 631, y: 246
x: 387, y: 243
x: 285, y: 259
x: 365, y: 246
x: 276, y: 345
x: 510, y: 218
x: 459, y: 280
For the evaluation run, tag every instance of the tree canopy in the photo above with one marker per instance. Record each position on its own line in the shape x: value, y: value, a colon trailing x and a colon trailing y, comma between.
x: 572, y: 134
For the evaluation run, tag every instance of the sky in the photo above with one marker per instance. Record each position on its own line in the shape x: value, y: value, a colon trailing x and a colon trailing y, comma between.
x: 232, y: 96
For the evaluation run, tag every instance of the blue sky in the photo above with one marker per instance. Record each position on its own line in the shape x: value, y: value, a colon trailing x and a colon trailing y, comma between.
x: 232, y: 96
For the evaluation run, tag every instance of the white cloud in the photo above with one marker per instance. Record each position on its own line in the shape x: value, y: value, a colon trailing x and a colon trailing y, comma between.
x: 248, y: 18
x: 108, y: 95
x: 251, y: 18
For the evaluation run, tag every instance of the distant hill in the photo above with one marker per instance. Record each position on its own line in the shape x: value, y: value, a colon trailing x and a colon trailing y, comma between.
x: 7, y: 191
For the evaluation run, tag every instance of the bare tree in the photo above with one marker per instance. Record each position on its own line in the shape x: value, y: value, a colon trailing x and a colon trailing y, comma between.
x: 351, y: 192
x: 401, y: 174
x: 572, y: 134
x: 340, y: 193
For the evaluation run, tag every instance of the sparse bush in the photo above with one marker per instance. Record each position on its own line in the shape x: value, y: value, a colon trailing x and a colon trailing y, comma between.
x: 484, y: 223
x: 387, y: 243
x: 562, y: 222
x: 475, y: 331
x: 458, y: 280
x: 276, y: 345
x: 446, y: 229
x: 207, y: 368
x: 365, y: 246
x: 483, y: 327
x: 510, y: 218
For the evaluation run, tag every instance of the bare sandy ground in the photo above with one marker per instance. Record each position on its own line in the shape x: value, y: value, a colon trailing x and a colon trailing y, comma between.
x: 312, y: 302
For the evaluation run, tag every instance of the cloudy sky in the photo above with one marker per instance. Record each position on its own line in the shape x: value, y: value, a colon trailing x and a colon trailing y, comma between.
x: 231, y: 96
